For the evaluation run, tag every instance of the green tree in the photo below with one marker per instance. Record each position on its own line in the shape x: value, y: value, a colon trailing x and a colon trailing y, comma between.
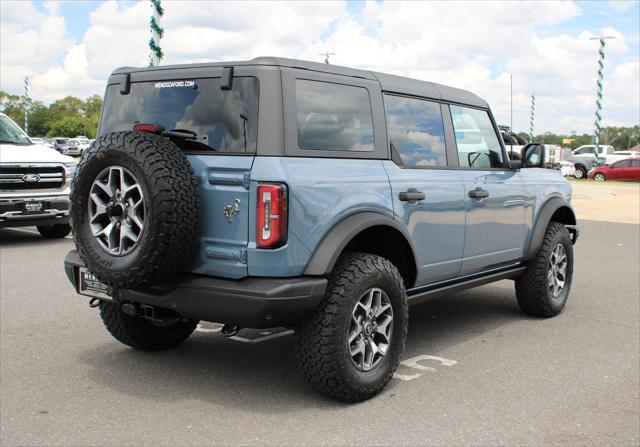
x: 69, y: 126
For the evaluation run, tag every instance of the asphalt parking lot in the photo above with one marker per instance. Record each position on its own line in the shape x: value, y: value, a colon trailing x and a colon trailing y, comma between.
x: 476, y: 370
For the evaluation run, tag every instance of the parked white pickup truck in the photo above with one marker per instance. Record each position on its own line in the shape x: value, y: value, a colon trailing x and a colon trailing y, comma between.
x: 34, y: 183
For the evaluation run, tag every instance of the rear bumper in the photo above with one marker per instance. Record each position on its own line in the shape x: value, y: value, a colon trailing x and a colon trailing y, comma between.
x: 56, y: 211
x: 250, y: 302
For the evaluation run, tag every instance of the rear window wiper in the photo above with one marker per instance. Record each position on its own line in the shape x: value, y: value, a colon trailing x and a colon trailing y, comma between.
x: 186, y: 137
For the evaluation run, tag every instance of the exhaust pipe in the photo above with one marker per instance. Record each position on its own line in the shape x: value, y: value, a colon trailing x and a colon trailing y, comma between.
x: 229, y: 330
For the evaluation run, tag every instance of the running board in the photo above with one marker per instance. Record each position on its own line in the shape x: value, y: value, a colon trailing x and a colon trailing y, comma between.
x: 420, y: 294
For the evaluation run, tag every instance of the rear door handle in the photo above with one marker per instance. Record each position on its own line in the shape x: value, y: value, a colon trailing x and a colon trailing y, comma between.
x: 478, y: 193
x: 408, y: 196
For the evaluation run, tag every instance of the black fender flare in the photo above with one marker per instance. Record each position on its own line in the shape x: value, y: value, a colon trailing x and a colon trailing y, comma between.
x: 334, y: 242
x: 542, y: 222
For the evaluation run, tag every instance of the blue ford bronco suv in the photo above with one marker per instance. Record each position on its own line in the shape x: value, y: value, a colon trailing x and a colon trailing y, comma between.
x: 277, y: 192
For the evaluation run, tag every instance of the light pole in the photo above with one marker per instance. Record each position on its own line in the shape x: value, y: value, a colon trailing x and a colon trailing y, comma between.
x: 533, y: 114
x: 326, y: 55
x: 599, y: 90
x: 156, y: 34
x: 26, y: 101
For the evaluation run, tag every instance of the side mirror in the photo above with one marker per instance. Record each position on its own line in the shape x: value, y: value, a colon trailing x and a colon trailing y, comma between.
x: 533, y: 155
x: 516, y: 164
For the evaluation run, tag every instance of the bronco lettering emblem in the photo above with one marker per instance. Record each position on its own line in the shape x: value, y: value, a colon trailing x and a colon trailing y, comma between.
x: 231, y: 210
x: 31, y: 178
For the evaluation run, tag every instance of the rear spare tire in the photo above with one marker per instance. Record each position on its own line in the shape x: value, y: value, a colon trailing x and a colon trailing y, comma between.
x: 135, y: 209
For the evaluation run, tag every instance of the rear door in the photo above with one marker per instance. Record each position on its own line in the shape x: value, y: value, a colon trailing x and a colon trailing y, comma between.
x: 634, y: 170
x: 495, y: 195
x: 223, y: 117
x: 427, y: 196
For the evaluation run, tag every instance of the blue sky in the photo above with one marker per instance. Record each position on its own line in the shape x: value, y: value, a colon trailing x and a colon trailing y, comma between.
x: 69, y: 47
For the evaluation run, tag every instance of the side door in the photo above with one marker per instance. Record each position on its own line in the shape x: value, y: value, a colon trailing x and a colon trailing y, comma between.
x: 619, y: 170
x: 496, y: 198
x: 427, y: 196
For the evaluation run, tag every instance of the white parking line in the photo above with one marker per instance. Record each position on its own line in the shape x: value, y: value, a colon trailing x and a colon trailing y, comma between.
x: 413, y: 363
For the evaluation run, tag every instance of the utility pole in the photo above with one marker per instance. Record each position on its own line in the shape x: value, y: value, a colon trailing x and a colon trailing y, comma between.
x: 511, y: 101
x: 156, y: 34
x: 533, y: 114
x: 599, y: 90
x: 326, y: 55
x: 26, y: 101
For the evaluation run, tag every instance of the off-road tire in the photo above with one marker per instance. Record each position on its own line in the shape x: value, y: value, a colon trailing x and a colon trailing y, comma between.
x: 57, y: 231
x: 172, y: 213
x: 581, y: 172
x: 140, y: 333
x: 321, y: 339
x: 532, y: 289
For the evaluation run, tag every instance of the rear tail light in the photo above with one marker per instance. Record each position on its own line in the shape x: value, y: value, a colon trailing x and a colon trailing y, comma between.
x: 151, y: 128
x: 271, y: 222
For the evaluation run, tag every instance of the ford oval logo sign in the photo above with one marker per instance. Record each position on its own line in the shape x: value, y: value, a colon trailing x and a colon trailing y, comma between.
x: 31, y: 178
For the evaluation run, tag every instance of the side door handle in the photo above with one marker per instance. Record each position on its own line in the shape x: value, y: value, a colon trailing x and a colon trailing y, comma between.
x: 478, y: 193
x: 409, y: 196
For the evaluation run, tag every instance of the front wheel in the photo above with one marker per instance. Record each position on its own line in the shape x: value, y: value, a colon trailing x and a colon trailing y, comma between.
x: 351, y: 345
x: 543, y: 290
x: 56, y: 231
x: 599, y: 177
x: 580, y: 172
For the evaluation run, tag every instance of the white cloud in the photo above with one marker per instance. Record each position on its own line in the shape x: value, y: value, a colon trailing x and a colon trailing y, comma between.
x: 469, y: 45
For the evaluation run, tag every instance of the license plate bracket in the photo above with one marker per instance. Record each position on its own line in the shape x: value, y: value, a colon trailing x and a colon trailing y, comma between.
x: 33, y: 206
x: 89, y: 285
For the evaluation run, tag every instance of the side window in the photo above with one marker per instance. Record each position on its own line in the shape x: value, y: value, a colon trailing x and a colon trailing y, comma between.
x: 333, y: 117
x: 586, y: 150
x: 416, y: 131
x: 622, y: 164
x: 478, y: 144
x: 635, y: 163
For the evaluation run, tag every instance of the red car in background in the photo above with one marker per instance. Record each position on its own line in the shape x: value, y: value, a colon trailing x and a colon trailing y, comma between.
x: 628, y: 169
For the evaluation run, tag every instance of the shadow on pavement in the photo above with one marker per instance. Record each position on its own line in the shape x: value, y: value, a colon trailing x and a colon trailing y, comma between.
x: 11, y: 237
x: 263, y: 377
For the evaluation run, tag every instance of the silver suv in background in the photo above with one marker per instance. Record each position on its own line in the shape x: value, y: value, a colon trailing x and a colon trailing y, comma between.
x: 34, y: 183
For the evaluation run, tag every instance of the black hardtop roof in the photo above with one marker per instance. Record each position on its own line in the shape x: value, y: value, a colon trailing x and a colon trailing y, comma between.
x: 390, y: 83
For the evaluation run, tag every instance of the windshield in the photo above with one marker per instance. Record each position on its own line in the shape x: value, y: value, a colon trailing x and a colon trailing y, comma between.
x: 10, y: 132
x: 212, y: 119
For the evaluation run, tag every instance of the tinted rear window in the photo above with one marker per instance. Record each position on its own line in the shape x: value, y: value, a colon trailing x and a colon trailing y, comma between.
x: 224, y: 120
x: 333, y: 117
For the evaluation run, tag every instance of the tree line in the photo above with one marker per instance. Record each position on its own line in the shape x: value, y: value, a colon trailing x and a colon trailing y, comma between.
x: 67, y: 117
x: 619, y: 137
x: 71, y: 116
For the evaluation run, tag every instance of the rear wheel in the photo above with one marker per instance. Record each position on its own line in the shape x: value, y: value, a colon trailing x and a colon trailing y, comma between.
x: 56, y: 231
x: 543, y: 290
x: 350, y: 346
x: 600, y: 177
x: 142, y: 333
x: 135, y: 209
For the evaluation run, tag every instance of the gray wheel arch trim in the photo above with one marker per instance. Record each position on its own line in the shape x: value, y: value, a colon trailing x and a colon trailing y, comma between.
x: 542, y: 222
x: 334, y: 242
